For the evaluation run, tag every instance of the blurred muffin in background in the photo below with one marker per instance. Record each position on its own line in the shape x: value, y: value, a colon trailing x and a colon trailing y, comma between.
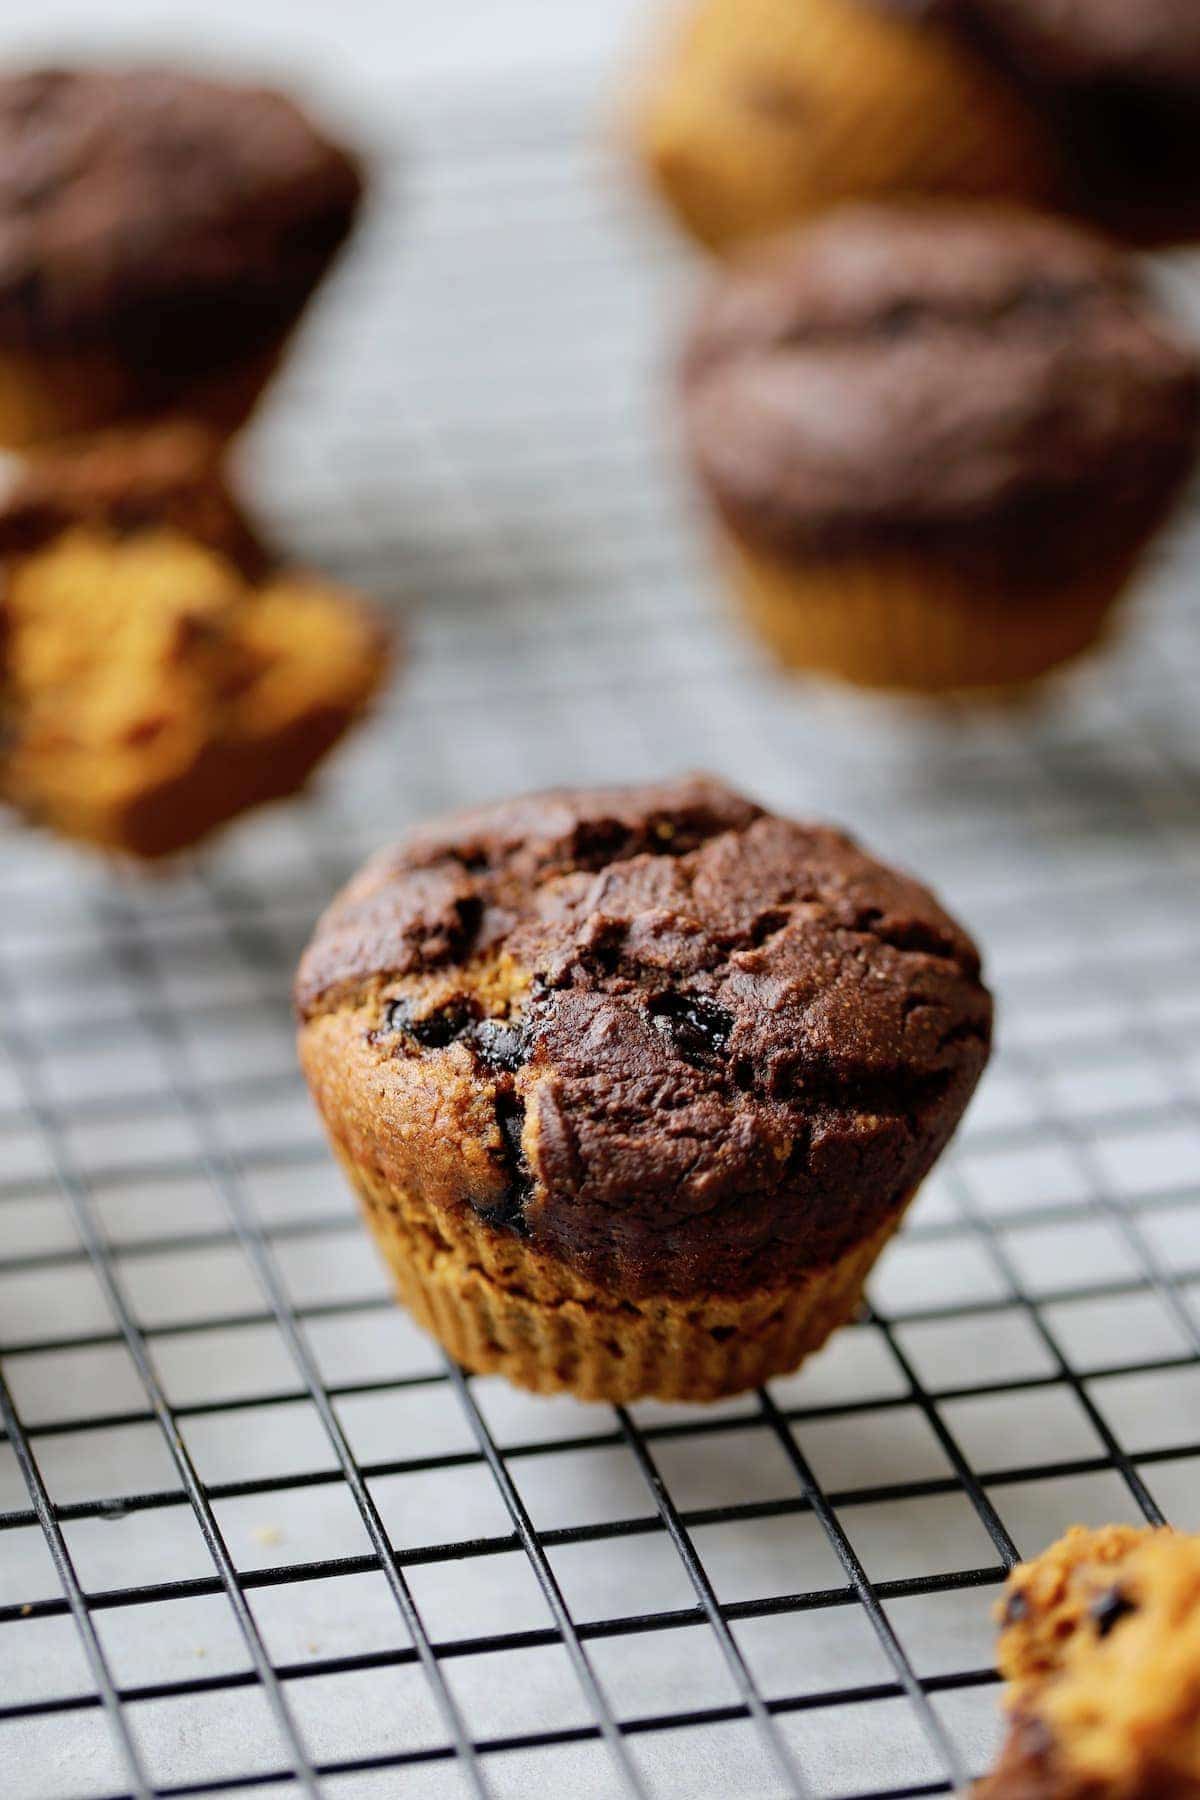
x: 937, y: 440
x: 1119, y: 84
x: 765, y: 112
x: 160, y: 236
x: 159, y: 671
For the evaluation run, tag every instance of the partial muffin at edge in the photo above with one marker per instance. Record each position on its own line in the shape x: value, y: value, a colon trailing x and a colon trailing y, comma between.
x: 1118, y: 86
x: 635, y: 1052
x: 1100, y: 1646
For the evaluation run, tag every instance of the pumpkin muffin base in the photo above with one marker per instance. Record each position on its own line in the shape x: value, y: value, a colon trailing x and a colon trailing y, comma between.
x: 155, y: 689
x: 46, y: 397
x: 500, y: 1306
x: 764, y: 112
x: 904, y: 621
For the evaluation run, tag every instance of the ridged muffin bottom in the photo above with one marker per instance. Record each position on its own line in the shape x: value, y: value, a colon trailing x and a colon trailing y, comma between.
x: 909, y: 621
x: 507, y: 1311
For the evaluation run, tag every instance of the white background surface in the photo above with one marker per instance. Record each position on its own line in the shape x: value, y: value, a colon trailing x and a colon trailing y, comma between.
x: 372, y: 52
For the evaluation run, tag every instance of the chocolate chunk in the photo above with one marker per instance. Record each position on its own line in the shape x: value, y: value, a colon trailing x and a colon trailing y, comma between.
x: 1016, y: 1608
x: 434, y: 1031
x: 698, y: 1029
x: 508, y: 1211
x: 501, y: 1046
x: 498, y: 1044
x: 1110, y: 1609
x: 398, y: 1016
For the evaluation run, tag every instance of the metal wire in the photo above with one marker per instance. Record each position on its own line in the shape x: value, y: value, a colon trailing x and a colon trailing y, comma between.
x: 495, y: 470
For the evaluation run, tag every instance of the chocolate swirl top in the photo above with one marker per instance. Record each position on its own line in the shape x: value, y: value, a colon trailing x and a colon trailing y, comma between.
x: 928, y: 370
x: 134, y: 202
x: 732, y: 1044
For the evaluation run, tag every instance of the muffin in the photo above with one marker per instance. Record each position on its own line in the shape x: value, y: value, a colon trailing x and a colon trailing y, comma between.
x: 936, y: 440
x: 159, y: 671
x: 765, y: 112
x: 160, y: 236
x: 1101, y: 1648
x: 1117, y: 83
x: 635, y: 1084
x: 762, y: 113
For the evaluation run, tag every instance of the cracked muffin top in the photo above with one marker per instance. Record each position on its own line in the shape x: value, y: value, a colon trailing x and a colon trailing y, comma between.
x: 965, y: 375
x: 1101, y: 1647
x: 134, y: 201
x: 658, y: 1031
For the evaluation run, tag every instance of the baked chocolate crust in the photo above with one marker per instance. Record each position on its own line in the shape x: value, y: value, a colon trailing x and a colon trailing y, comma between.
x: 177, y: 221
x: 992, y: 383
x: 169, y: 478
x: 682, y: 1043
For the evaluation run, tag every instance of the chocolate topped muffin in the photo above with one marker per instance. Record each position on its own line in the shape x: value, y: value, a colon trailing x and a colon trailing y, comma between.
x: 987, y: 404
x: 1101, y: 1649
x: 160, y: 236
x: 1118, y: 81
x: 160, y: 671
x: 635, y: 1083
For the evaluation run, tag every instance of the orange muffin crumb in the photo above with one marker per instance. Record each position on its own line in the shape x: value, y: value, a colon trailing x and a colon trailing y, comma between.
x: 160, y: 672
x: 1101, y: 1647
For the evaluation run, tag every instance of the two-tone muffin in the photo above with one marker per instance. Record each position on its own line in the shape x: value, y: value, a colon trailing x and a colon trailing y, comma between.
x: 937, y: 440
x: 160, y: 236
x: 634, y: 1084
x: 765, y: 112
x: 160, y: 671
x: 1101, y: 1649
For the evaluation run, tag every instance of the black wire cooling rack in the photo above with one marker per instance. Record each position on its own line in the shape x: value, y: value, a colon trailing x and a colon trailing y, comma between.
x: 256, y: 1536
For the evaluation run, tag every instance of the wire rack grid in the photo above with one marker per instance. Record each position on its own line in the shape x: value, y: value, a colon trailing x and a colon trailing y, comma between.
x: 256, y: 1536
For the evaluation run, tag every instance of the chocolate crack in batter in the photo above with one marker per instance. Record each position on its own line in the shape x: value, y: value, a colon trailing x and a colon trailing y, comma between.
x: 739, y: 1040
